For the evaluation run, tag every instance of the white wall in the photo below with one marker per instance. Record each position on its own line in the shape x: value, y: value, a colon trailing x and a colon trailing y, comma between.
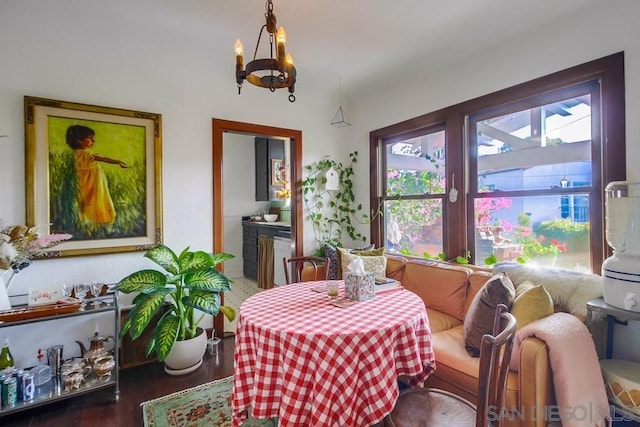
x: 602, y: 29
x: 144, y: 55
x: 239, y: 194
x: 155, y: 56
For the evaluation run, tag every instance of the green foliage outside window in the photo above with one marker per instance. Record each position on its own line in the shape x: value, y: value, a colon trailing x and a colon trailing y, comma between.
x: 576, y: 234
x: 411, y: 215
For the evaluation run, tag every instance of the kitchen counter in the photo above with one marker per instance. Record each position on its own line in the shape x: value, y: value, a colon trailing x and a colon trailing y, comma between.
x: 275, y: 223
x: 251, y: 231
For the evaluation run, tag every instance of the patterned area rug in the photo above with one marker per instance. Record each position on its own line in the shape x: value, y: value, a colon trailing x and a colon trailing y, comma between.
x: 204, y: 405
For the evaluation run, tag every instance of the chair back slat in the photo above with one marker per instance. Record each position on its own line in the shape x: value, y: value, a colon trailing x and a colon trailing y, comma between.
x: 432, y: 407
x: 495, y: 356
x: 320, y: 268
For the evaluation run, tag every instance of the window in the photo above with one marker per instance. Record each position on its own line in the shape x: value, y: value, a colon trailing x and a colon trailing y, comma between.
x: 538, y: 150
x: 529, y: 163
x: 414, y: 185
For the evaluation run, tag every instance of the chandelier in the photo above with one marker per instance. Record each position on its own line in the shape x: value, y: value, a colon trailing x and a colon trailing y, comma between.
x: 274, y: 72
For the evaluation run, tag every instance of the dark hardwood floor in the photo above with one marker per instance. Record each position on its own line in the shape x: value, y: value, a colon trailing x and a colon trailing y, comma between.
x: 137, y: 384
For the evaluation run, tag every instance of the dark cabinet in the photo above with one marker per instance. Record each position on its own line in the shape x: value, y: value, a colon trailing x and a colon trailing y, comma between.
x: 250, y: 233
x: 267, y: 149
x: 250, y: 251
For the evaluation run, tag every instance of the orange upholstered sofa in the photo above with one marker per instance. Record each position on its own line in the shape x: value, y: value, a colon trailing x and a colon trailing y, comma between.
x: 447, y: 291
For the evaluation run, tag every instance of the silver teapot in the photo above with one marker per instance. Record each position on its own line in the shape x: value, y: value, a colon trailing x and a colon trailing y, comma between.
x: 96, y: 348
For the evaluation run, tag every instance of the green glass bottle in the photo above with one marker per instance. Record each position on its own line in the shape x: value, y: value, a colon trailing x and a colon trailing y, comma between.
x: 6, y: 359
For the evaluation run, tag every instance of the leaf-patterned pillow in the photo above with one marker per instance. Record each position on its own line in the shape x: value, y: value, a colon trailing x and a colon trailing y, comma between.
x: 335, y: 268
x: 376, y: 264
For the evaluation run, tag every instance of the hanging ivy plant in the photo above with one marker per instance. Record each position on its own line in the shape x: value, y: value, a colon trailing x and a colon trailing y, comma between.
x: 331, y: 211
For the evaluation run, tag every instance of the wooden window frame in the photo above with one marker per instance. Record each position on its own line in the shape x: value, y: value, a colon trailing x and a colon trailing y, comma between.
x: 607, y: 71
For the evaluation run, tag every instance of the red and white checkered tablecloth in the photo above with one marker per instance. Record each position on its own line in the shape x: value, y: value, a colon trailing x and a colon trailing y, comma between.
x: 309, y: 363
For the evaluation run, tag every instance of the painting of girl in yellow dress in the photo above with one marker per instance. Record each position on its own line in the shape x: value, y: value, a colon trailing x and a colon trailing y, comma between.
x: 94, y: 172
x: 94, y: 200
x: 97, y: 184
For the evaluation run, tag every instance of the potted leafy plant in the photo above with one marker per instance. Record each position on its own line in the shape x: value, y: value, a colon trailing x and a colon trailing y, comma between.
x: 330, y: 211
x: 190, y: 282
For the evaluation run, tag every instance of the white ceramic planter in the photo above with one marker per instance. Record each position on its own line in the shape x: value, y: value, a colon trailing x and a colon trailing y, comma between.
x: 186, y: 356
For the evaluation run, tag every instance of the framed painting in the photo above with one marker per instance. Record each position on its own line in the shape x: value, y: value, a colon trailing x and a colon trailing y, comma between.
x: 276, y: 173
x: 95, y: 173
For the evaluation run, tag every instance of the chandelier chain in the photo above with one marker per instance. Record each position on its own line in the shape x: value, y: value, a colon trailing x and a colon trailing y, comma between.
x: 255, y: 52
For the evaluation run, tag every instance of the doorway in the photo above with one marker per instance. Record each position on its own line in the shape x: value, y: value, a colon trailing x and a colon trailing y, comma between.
x: 220, y: 127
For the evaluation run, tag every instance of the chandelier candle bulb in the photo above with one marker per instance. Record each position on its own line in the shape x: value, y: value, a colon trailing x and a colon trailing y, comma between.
x: 288, y: 59
x: 281, y: 39
x: 281, y: 55
x: 239, y: 49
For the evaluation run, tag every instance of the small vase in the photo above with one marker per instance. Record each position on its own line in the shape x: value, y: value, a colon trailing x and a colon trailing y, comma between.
x: 5, y: 280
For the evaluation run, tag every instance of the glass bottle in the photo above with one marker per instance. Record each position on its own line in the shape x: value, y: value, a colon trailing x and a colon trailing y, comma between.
x: 6, y: 359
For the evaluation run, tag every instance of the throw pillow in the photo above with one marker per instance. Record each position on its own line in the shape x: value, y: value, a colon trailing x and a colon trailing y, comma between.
x: 374, y: 261
x: 479, y: 318
x: 331, y: 252
x: 570, y: 290
x: 335, y: 268
x: 532, y: 303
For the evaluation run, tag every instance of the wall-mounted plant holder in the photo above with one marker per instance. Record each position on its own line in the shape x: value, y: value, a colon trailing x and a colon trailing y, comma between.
x: 333, y: 180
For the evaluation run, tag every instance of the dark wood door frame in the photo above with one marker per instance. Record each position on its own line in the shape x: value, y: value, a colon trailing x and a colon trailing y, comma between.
x: 221, y: 126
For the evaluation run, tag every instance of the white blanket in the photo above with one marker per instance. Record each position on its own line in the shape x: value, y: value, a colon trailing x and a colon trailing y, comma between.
x: 569, y: 289
x: 577, y: 379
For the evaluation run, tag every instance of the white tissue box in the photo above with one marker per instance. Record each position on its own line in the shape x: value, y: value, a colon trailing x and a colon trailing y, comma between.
x: 359, y: 287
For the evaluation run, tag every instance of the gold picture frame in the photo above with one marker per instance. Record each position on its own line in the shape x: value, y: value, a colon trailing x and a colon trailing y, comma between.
x: 95, y: 173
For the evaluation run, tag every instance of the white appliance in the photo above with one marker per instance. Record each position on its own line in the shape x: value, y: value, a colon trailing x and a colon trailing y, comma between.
x: 621, y: 272
x: 281, y: 249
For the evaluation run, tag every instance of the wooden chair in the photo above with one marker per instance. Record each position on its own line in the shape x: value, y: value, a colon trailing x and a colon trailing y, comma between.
x: 320, y: 268
x: 433, y: 407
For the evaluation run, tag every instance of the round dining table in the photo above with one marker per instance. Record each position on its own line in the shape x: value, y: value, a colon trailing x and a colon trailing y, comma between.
x: 307, y: 362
